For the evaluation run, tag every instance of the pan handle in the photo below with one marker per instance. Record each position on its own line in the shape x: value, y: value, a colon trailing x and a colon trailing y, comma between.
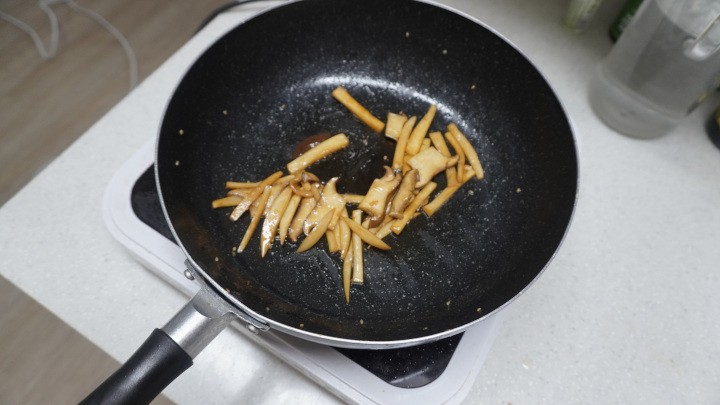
x: 167, y: 353
x: 146, y: 373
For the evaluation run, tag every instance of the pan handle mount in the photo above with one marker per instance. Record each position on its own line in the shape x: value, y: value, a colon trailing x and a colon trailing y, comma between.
x: 199, y: 322
x: 211, y: 303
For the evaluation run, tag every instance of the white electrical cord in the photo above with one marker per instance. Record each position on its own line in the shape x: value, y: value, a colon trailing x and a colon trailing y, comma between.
x: 51, y: 51
x: 45, y: 54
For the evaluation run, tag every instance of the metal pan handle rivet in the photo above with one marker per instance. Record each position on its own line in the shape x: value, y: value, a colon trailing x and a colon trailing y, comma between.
x: 189, y: 275
x: 252, y: 329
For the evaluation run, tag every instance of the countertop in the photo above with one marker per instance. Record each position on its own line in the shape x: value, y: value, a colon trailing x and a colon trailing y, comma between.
x: 626, y: 313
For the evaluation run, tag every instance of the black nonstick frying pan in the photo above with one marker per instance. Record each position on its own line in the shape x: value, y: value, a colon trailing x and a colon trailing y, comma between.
x: 263, y: 88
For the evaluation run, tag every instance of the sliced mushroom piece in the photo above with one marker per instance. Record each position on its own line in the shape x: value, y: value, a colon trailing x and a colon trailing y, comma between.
x: 247, y: 202
x: 277, y: 188
x: 296, y: 225
x: 345, y: 234
x: 240, y: 192
x: 418, y: 133
x: 405, y: 194
x: 288, y: 216
x: 319, y: 151
x: 364, y: 234
x: 347, y: 275
x: 394, y: 125
x: 353, y: 198
x: 254, y: 221
x: 428, y: 163
x: 240, y: 184
x: 330, y: 199
x: 470, y: 152
x: 358, y: 271
x: 229, y: 201
x: 379, y: 193
x: 301, y: 191
x: 273, y: 214
x: 417, y: 202
x: 374, y: 222
x: 439, y: 142
x: 316, y: 233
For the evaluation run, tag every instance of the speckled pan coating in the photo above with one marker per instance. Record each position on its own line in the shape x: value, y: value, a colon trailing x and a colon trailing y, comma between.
x: 265, y: 86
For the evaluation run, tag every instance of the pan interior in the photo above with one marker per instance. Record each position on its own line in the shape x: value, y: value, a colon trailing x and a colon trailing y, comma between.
x: 264, y: 87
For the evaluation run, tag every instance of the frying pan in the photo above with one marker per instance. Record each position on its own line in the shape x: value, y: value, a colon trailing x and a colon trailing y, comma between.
x: 263, y: 88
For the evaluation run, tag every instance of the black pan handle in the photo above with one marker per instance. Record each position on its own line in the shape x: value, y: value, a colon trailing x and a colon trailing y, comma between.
x: 143, y: 377
x: 167, y: 353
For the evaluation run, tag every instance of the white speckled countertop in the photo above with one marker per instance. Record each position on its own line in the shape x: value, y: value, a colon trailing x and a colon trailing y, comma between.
x: 626, y: 313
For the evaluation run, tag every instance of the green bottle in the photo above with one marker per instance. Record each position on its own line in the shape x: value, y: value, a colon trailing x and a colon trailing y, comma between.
x: 623, y: 19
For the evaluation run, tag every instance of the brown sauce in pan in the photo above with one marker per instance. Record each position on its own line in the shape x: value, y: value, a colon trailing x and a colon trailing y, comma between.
x: 309, y: 143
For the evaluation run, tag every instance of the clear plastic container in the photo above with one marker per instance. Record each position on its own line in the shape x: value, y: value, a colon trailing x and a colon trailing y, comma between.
x: 665, y: 63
